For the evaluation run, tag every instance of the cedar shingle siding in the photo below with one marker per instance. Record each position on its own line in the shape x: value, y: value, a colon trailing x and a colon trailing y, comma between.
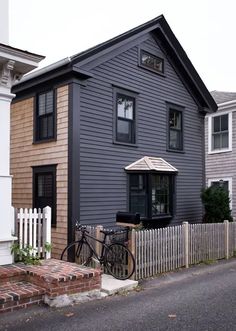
x: 25, y: 155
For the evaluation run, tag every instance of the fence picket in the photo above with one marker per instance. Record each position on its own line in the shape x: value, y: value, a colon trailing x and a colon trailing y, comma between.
x: 30, y: 227
x: 162, y: 250
x: 33, y: 228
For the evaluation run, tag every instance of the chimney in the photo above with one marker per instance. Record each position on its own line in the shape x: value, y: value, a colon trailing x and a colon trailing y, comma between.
x: 4, y: 22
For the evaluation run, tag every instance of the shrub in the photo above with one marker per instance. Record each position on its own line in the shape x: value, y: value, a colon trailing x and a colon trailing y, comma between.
x: 216, y: 203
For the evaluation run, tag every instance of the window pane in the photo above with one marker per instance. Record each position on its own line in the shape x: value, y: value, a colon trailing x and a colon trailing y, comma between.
x: 216, y: 141
x: 224, y: 140
x: 45, y: 116
x: 175, y: 139
x: 48, y: 182
x: 138, y: 204
x: 224, y: 184
x: 175, y: 119
x: 224, y: 122
x: 175, y: 129
x: 124, y: 131
x: 216, y: 124
x: 152, y: 61
x: 137, y: 182
x: 138, y: 194
x: 125, y: 106
x: 50, y: 126
x: 49, y: 102
x: 40, y: 186
x: 160, y: 195
x: 41, y: 104
x: 43, y: 128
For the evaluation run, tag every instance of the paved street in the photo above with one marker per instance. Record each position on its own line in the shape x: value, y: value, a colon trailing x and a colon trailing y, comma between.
x: 200, y: 298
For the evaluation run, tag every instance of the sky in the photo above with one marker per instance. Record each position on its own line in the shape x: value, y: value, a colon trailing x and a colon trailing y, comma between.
x: 60, y: 28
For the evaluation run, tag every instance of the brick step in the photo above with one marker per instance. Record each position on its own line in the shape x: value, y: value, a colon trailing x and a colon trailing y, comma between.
x: 19, y: 294
x: 11, y: 272
x: 22, y: 285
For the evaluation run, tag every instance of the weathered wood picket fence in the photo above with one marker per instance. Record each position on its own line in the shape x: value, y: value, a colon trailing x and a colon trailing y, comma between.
x: 167, y: 249
x: 33, y: 228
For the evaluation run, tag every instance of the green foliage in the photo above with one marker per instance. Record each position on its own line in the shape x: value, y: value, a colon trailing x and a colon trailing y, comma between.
x: 216, y: 203
x: 28, y: 254
x: 25, y: 255
x: 48, y: 247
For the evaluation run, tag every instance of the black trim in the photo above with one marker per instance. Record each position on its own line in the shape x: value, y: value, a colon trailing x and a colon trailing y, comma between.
x: 50, y: 169
x: 179, y: 109
x: 162, y: 31
x: 73, y: 159
x: 126, y: 93
x: 148, y: 196
x: 145, y: 66
x: 36, y: 135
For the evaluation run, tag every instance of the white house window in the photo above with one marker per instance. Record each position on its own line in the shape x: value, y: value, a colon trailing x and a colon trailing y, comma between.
x: 225, y: 183
x: 220, y: 133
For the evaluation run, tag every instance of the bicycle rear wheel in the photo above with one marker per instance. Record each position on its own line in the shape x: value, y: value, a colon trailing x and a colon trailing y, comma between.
x: 119, y: 261
x: 78, y: 252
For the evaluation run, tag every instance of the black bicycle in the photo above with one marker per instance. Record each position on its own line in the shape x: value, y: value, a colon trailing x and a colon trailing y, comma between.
x: 115, y: 257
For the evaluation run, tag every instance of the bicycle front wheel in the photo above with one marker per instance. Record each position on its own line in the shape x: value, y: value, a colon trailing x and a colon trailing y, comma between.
x: 78, y: 252
x: 119, y: 261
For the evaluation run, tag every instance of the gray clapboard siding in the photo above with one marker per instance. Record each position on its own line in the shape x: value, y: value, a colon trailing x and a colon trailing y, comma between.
x: 103, y: 183
x: 223, y: 164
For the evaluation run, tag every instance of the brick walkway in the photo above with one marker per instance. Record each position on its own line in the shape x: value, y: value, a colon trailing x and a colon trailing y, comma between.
x: 22, y: 285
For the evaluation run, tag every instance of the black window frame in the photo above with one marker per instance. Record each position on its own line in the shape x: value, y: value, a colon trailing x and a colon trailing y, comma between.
x: 148, y: 195
x: 39, y: 118
x: 118, y: 92
x: 179, y: 110
x: 148, y: 67
x: 45, y: 170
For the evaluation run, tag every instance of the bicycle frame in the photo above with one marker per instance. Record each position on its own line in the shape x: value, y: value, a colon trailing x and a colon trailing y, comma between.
x: 102, y: 242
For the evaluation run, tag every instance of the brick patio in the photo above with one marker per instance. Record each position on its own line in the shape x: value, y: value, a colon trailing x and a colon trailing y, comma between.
x: 23, y: 285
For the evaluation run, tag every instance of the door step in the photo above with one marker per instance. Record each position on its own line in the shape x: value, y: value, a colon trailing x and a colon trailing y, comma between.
x: 19, y: 294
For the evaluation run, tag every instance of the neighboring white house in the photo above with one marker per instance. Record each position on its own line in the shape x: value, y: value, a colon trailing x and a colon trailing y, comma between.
x: 220, y: 133
x: 13, y: 64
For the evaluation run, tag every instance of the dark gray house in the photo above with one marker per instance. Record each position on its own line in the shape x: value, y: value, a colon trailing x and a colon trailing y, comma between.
x: 118, y: 127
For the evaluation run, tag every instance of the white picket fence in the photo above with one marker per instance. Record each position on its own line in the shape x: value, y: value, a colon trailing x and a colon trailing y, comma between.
x: 33, y: 228
x: 167, y: 249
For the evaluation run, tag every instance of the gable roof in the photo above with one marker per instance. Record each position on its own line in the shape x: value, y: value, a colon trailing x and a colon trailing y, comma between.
x: 222, y: 97
x: 148, y: 163
x: 167, y: 41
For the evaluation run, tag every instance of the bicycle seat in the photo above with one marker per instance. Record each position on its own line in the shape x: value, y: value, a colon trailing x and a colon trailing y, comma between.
x: 107, y: 232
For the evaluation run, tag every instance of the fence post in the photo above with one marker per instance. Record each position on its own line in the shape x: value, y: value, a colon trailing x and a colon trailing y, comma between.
x: 132, y: 248
x: 16, y: 228
x: 226, y: 222
x: 98, y: 247
x: 186, y: 244
x: 47, y: 212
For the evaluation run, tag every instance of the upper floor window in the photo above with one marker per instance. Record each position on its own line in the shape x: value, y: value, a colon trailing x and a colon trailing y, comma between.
x: 151, y: 62
x: 220, y: 133
x: 45, y: 116
x: 125, y: 118
x: 175, y: 123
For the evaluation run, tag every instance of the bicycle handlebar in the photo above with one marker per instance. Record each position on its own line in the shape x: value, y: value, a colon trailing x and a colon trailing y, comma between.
x: 79, y: 227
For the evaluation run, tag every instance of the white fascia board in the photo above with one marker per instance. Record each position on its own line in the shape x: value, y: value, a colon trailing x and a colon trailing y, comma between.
x: 24, y: 61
